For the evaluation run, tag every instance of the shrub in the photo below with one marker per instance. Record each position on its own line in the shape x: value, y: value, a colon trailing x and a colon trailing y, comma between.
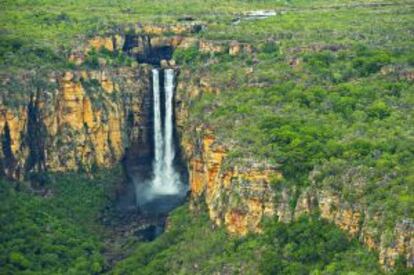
x: 270, y: 47
x: 19, y: 260
x: 379, y: 110
x: 186, y: 56
x: 370, y: 62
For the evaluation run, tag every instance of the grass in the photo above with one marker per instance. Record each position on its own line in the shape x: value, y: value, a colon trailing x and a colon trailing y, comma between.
x: 58, y: 27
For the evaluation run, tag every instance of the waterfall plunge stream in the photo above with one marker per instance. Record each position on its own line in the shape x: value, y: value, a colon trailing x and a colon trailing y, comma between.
x: 165, y: 189
x: 166, y: 180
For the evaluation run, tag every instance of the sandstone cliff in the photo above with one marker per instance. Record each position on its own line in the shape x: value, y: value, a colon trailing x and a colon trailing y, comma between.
x: 83, y: 118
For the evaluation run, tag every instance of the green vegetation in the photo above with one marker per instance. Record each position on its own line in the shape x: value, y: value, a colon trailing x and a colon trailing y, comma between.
x: 96, y: 57
x: 191, y: 245
x: 41, y: 33
x: 187, y: 56
x: 327, y: 97
x: 56, y: 231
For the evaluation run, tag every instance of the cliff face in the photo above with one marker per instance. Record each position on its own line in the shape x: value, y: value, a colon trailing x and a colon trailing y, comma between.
x: 237, y: 197
x: 88, y: 118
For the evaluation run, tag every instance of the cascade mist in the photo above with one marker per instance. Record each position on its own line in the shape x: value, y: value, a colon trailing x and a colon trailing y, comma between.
x: 165, y: 189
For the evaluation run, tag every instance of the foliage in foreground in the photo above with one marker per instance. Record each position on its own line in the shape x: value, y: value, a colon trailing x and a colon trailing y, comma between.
x: 56, y: 233
x: 192, y: 245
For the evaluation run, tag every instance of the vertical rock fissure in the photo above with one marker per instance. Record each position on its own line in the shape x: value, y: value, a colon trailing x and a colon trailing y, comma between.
x: 8, y: 161
x: 35, y: 138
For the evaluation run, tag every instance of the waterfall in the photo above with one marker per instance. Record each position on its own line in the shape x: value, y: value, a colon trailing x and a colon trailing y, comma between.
x: 168, y: 135
x: 166, y: 180
x: 158, y: 138
x: 160, y: 184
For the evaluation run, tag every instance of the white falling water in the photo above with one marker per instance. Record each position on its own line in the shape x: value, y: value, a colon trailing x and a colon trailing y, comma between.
x: 165, y: 179
x: 169, y: 152
x: 158, y: 138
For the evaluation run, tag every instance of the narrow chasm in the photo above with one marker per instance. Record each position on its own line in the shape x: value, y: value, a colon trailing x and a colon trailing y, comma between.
x: 157, y: 173
x: 156, y: 179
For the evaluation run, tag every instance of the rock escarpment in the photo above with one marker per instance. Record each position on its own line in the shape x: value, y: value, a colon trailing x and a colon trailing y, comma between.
x: 81, y: 119
x: 237, y: 197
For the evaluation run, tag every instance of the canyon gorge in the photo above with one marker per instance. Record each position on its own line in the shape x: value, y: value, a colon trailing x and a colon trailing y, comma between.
x: 87, y: 118
x: 246, y: 128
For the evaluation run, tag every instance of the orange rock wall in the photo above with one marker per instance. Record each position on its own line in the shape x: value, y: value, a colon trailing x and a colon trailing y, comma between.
x: 83, y: 127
